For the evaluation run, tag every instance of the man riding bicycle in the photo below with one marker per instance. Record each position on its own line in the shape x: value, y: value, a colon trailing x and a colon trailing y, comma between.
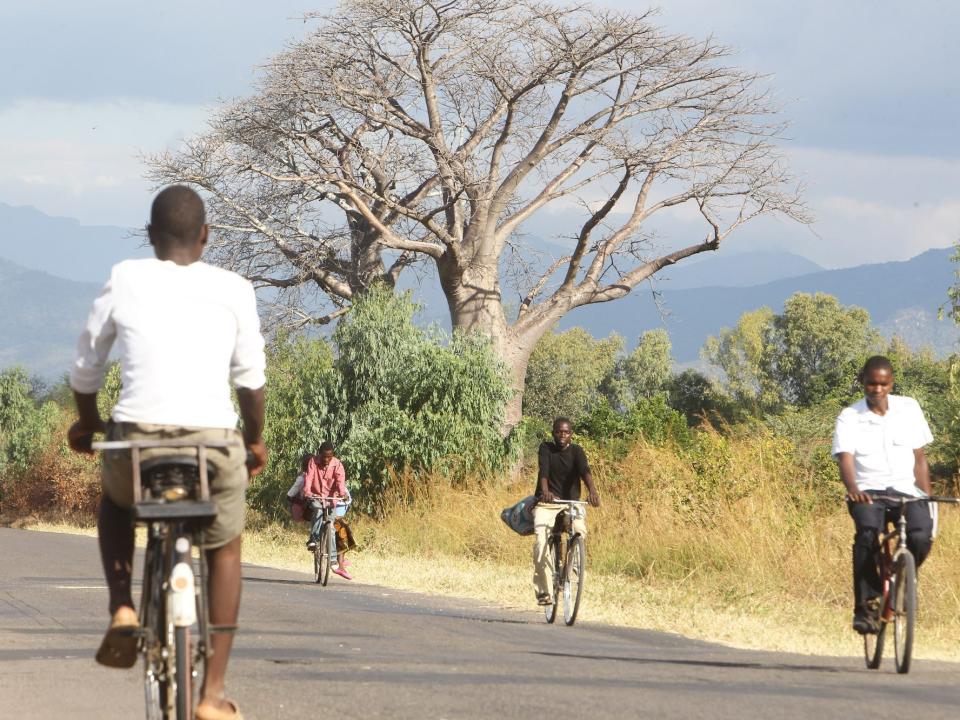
x: 562, y: 466
x: 878, y: 444
x: 185, y: 331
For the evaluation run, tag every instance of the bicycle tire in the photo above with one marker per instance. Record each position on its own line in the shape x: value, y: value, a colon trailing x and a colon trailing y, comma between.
x: 322, y: 555
x: 151, y: 603
x: 573, y: 570
x: 554, y: 550
x: 905, y: 609
x: 873, y: 647
x: 183, y: 678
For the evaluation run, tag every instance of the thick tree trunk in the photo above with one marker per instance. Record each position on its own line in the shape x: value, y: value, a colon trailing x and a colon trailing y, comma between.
x: 476, y: 305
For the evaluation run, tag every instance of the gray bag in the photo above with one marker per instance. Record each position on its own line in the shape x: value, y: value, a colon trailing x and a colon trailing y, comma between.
x: 519, y: 517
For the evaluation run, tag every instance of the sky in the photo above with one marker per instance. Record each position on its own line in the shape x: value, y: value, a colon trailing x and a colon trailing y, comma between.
x: 868, y: 87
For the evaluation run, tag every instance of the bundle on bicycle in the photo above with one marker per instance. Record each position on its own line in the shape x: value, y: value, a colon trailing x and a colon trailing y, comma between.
x: 171, y: 498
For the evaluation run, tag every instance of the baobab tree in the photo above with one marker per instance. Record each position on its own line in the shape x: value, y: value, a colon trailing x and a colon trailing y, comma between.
x: 406, y: 131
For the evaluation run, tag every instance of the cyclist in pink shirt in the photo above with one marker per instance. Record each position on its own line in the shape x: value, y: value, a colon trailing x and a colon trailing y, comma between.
x: 325, y: 477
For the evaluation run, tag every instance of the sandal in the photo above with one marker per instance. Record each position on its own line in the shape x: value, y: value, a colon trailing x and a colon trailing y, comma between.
x: 119, y: 646
x: 212, y: 713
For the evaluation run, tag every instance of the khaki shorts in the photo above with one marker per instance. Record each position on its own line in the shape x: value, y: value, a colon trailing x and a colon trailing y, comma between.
x: 226, y: 489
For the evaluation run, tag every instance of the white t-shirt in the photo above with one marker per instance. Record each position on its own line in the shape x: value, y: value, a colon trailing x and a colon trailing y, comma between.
x: 184, y: 333
x: 882, y: 445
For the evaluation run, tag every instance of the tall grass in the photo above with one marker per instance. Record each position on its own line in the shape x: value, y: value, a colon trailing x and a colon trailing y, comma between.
x: 735, y: 539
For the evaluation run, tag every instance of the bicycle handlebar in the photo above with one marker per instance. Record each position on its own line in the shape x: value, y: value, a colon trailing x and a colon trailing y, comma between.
x: 144, y: 444
x: 563, y: 502
x: 904, y: 499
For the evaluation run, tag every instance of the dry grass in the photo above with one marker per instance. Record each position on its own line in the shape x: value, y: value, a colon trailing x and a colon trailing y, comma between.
x: 734, y: 542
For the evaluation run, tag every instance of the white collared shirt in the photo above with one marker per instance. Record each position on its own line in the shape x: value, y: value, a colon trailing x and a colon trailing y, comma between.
x: 882, y: 445
x: 184, y: 333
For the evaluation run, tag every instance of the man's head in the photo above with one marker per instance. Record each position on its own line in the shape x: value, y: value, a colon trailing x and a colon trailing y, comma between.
x: 562, y: 431
x: 326, y: 452
x: 177, y: 229
x: 877, y: 379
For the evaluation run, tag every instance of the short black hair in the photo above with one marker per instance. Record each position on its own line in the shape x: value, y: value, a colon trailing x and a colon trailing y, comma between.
x: 560, y: 421
x: 326, y: 445
x: 875, y: 362
x: 177, y: 216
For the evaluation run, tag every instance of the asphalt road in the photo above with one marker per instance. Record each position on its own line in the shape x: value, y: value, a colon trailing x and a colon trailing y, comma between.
x: 361, y: 651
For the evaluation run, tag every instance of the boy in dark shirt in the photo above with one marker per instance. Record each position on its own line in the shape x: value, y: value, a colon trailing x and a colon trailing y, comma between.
x: 562, y: 467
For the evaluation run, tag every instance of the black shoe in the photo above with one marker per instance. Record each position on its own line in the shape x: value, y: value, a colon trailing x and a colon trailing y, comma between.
x: 544, y: 599
x: 864, y: 625
x: 311, y: 545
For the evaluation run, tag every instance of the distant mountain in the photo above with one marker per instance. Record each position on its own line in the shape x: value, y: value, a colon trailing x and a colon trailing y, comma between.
x: 40, y: 319
x: 901, y: 297
x: 64, y: 247
x: 721, y: 269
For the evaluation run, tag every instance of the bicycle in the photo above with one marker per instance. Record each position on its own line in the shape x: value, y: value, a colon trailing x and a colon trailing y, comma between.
x: 324, y: 535
x: 898, y: 577
x: 569, y: 559
x: 171, y: 496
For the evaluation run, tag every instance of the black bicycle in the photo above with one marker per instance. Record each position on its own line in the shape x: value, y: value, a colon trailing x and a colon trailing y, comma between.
x: 323, y: 535
x: 172, y: 499
x: 898, y: 577
x: 567, y: 553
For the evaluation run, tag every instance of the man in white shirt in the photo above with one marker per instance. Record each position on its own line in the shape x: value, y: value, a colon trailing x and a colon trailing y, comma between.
x: 185, y: 330
x: 878, y: 444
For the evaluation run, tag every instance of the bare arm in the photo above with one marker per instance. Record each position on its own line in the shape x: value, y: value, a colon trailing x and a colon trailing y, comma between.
x: 849, y: 477
x: 251, y: 415
x: 921, y: 470
x: 80, y: 434
x: 594, y: 496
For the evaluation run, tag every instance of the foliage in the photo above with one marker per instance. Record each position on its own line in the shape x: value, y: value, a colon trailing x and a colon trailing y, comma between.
x: 809, y: 353
x: 643, y: 373
x: 697, y: 398
x: 25, y: 426
x: 389, y: 395
x: 648, y: 418
x: 740, y: 352
x: 566, y: 371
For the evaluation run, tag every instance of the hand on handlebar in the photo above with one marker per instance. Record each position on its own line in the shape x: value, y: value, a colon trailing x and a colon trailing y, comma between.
x: 80, y: 437
x: 860, y: 497
x: 256, y: 457
x: 546, y: 496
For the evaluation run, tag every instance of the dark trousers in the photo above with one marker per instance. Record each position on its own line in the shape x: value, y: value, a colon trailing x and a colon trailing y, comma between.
x: 871, y: 520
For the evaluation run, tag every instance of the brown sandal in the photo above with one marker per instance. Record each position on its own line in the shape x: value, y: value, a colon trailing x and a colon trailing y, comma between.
x: 119, y: 646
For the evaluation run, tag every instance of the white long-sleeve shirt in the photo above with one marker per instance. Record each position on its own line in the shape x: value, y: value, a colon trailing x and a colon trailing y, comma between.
x: 184, y: 332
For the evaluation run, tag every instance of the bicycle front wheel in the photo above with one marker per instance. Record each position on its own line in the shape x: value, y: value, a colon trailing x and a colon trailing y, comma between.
x: 153, y: 621
x: 573, y: 578
x: 321, y: 556
x: 905, y: 609
x: 873, y: 646
x: 554, y: 554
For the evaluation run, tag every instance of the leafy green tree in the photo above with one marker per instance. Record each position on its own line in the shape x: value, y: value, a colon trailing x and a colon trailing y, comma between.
x: 566, y: 371
x: 697, y: 398
x: 644, y: 373
x: 389, y: 395
x: 741, y: 354
x: 25, y: 426
x: 816, y: 347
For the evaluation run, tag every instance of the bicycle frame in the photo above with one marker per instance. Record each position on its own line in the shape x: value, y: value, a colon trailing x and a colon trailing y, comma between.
x: 562, y: 567
x: 171, y: 599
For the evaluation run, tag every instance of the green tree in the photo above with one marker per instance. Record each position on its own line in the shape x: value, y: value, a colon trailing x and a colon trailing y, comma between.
x: 644, y: 373
x: 741, y: 353
x: 566, y: 371
x: 816, y: 347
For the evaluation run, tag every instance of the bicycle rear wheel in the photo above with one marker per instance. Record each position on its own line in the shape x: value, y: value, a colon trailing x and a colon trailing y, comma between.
x: 573, y: 578
x: 184, y: 677
x: 152, y: 618
x: 905, y: 609
x: 873, y: 647
x: 554, y: 553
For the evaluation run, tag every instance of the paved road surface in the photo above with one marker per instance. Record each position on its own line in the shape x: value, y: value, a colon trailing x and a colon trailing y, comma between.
x: 378, y: 653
